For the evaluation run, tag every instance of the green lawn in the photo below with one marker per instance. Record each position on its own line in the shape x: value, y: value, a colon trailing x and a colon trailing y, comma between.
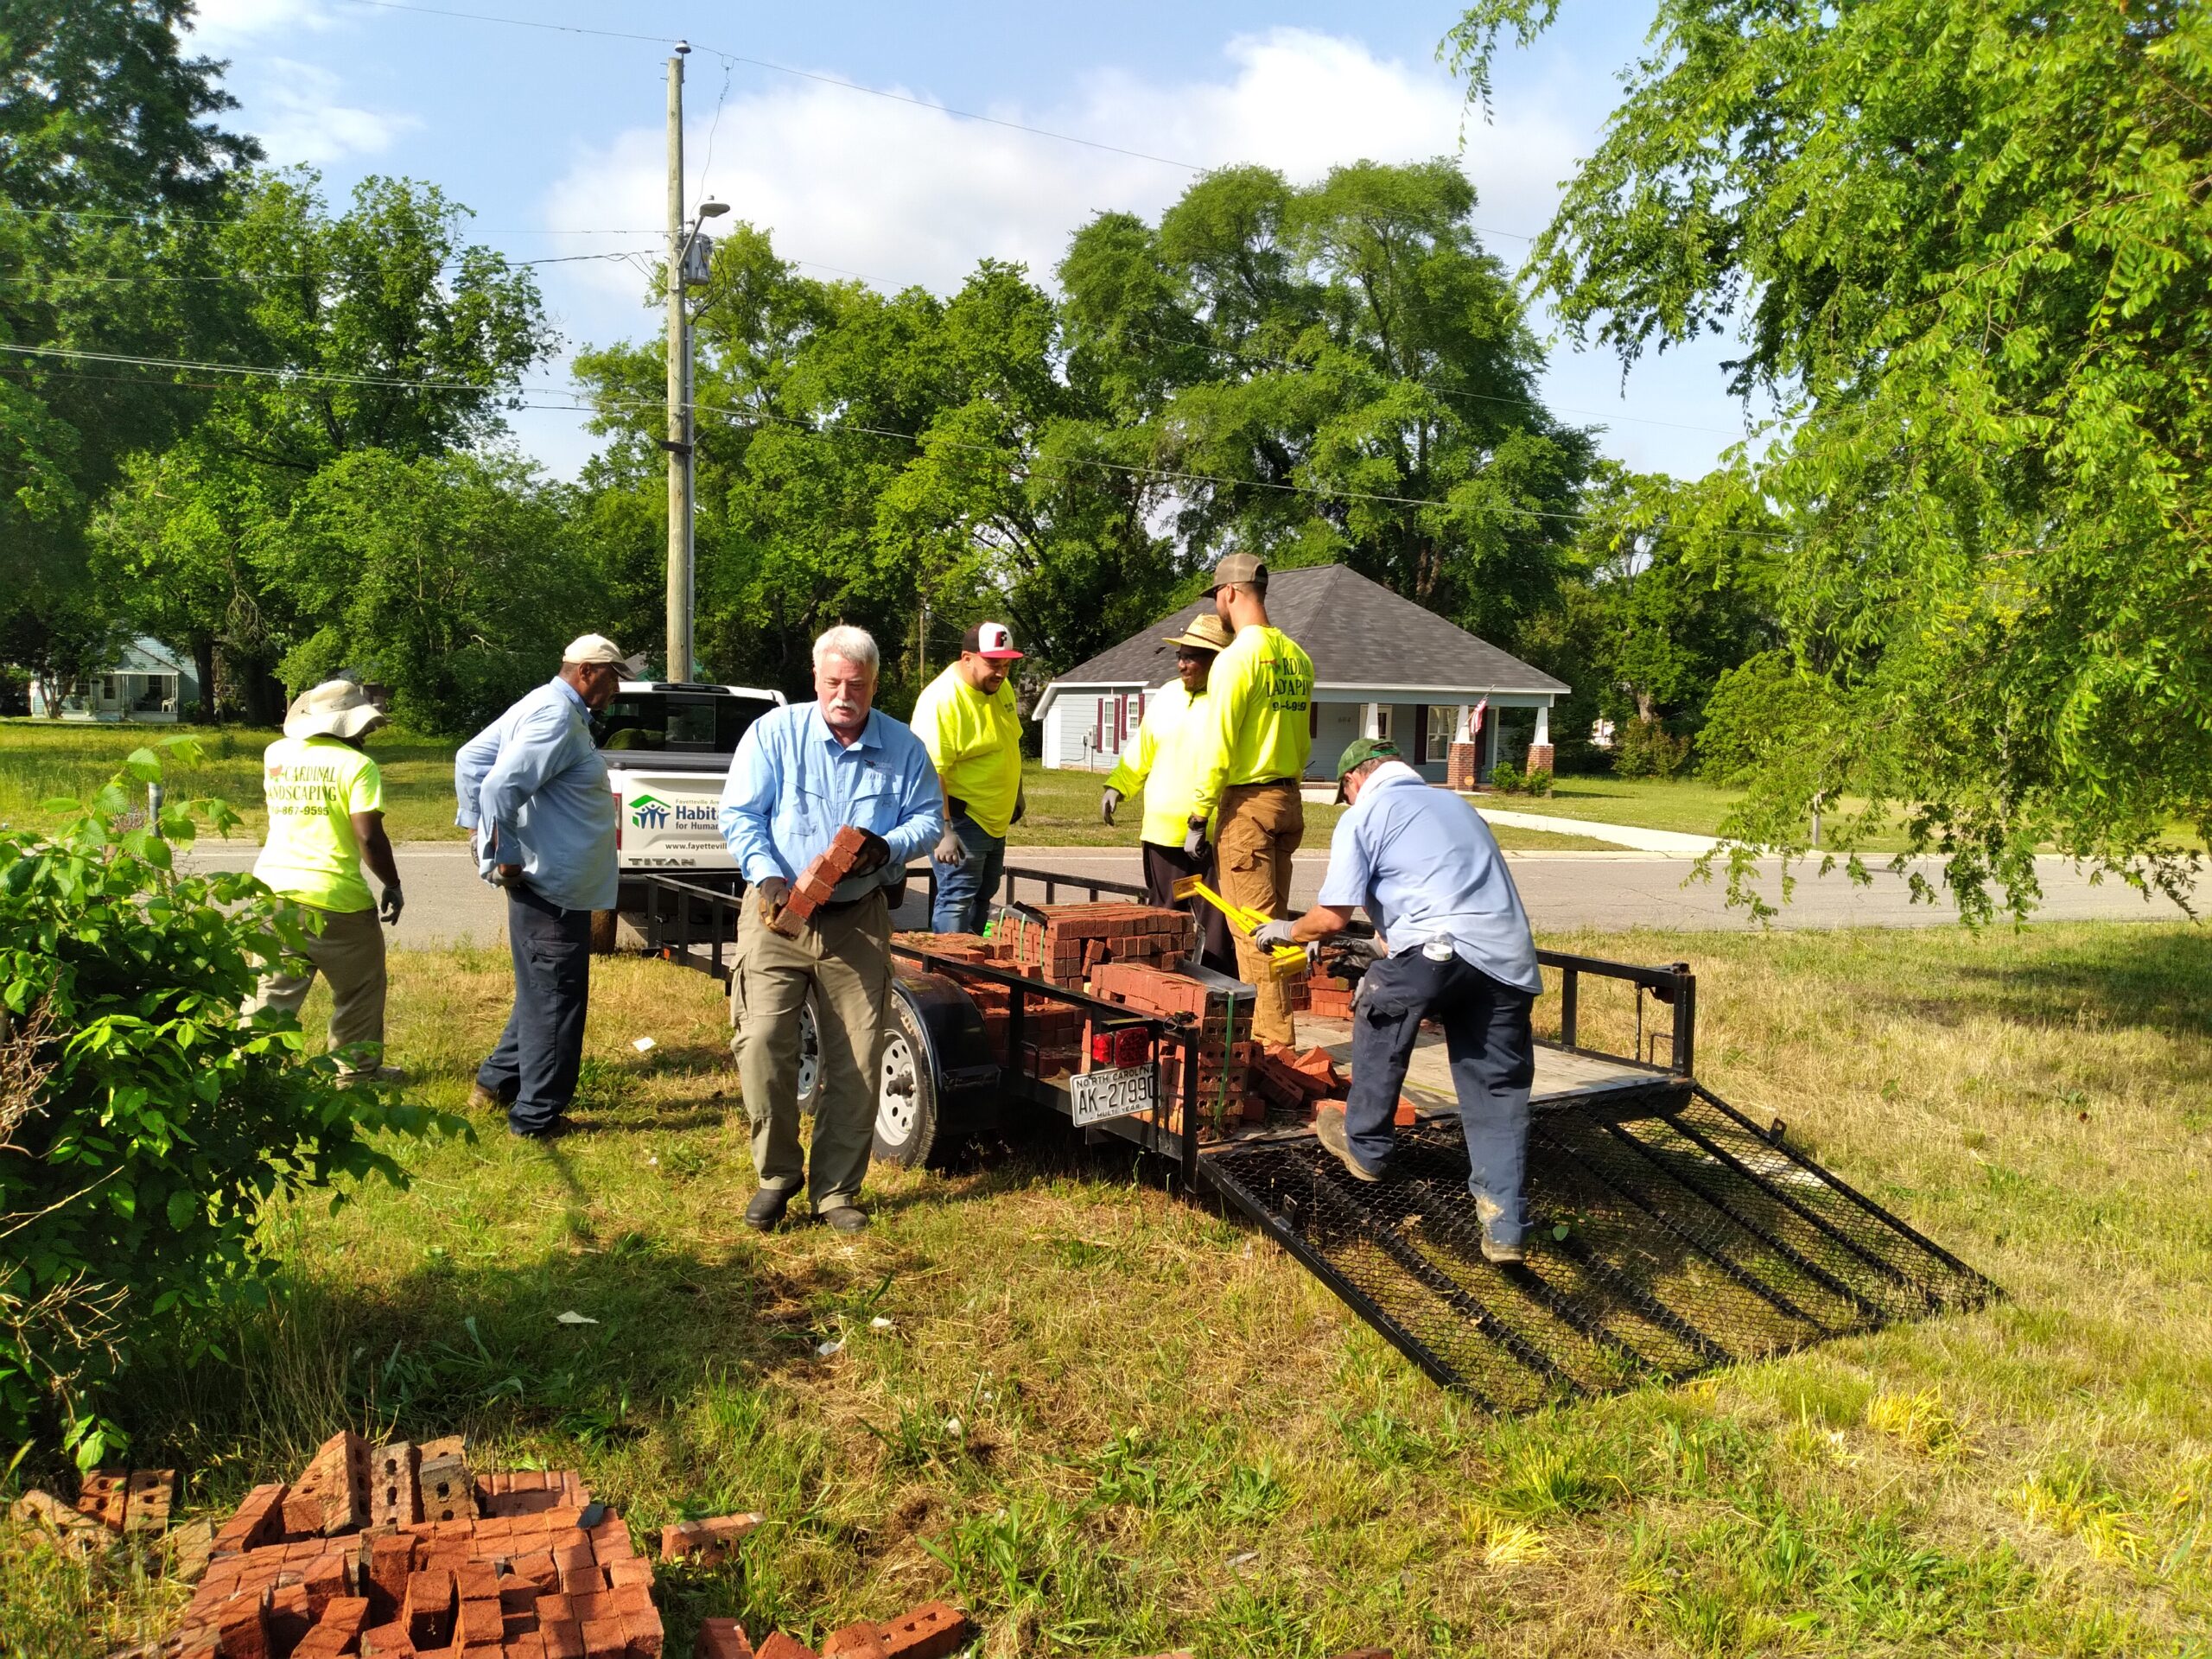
x: 41, y: 759
x: 1683, y: 804
x: 1112, y: 1421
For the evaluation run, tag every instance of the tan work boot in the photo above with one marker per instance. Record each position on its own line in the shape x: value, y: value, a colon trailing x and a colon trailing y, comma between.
x: 1329, y: 1130
x: 481, y: 1099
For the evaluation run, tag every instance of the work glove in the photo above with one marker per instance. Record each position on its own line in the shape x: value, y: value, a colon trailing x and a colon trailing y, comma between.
x: 951, y: 851
x: 875, y: 853
x: 1194, y: 844
x: 771, y: 891
x: 1109, y: 803
x: 1020, y: 805
x: 390, y: 905
x: 1270, y: 934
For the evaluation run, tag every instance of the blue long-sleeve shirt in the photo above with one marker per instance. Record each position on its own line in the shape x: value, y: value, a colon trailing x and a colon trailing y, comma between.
x: 534, y: 787
x: 792, y: 785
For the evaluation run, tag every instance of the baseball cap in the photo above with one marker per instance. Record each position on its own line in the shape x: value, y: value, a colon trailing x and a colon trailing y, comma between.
x: 1358, y: 753
x: 1240, y: 567
x: 991, y: 639
x: 1206, y: 631
x: 592, y: 648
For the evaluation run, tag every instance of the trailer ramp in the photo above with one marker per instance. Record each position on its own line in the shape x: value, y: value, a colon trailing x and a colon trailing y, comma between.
x: 1661, y: 1246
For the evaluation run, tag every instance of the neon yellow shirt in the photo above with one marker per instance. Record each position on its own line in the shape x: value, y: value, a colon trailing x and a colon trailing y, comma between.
x: 1261, y: 689
x: 1171, y: 747
x: 974, y: 743
x: 313, y: 787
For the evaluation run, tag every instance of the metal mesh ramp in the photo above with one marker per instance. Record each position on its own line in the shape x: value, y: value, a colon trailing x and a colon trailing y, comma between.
x: 1692, y: 1240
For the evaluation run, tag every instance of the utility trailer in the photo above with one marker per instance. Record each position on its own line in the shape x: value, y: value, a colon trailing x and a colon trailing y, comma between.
x: 1670, y: 1233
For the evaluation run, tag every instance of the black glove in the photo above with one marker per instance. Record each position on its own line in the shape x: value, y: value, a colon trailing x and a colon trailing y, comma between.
x: 1020, y: 806
x: 875, y: 853
x: 771, y: 891
x: 1194, y: 844
x: 392, y: 903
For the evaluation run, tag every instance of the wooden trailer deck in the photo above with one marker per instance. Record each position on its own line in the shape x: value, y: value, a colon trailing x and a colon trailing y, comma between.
x: 1564, y: 1076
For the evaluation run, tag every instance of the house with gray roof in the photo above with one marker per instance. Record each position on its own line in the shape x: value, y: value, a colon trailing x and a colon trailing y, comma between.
x: 1383, y: 667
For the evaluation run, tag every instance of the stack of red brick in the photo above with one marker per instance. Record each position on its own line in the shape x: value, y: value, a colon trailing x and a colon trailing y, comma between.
x: 1328, y: 997
x: 817, y: 881
x: 1223, y: 1024
x: 1070, y: 941
x: 1052, y: 1036
x: 345, y: 1560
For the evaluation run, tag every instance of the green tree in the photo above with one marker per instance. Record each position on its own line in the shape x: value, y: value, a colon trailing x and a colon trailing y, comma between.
x: 454, y: 579
x: 1964, y: 247
x: 113, y: 178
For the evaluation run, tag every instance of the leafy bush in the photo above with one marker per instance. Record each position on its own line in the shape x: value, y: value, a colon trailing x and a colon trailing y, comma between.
x: 145, y: 1129
x: 1758, y: 710
x: 1645, y: 748
x: 1537, y: 781
x: 1505, y: 778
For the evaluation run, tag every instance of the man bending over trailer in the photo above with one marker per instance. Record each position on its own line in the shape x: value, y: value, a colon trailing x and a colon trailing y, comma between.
x: 1426, y: 868
x: 799, y: 775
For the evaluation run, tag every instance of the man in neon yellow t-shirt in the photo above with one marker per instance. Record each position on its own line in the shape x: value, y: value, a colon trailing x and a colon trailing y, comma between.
x: 966, y: 719
x: 1261, y: 693
x: 326, y: 815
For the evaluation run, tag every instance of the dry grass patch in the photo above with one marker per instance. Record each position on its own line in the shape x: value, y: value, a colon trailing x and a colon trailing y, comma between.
x: 1112, y: 1420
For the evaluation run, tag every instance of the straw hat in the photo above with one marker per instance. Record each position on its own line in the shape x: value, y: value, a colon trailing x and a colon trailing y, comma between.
x: 334, y: 708
x: 1206, y: 631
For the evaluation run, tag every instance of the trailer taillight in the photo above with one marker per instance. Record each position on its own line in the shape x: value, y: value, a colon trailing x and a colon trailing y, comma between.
x: 1129, y: 1046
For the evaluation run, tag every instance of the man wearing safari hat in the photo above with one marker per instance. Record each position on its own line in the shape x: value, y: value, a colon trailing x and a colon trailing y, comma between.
x: 1169, y: 750
x: 326, y: 815
x: 967, y: 721
x: 1252, y: 758
x: 531, y: 789
x: 1426, y: 868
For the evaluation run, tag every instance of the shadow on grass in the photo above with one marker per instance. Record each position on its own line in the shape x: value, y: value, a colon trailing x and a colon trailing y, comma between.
x: 2117, y: 977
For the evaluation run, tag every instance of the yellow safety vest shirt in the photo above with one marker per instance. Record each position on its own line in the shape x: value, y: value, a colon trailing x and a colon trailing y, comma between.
x: 313, y: 787
x: 974, y: 743
x: 1172, y: 745
x: 1261, y: 689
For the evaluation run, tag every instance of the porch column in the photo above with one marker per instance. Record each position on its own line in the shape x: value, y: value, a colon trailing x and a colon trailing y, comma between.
x: 1460, y: 766
x: 1540, y: 750
x: 1370, y: 719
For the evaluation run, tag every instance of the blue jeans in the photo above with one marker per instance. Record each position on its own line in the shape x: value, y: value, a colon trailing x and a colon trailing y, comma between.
x: 1486, y: 1033
x: 535, y: 1065
x: 965, y: 894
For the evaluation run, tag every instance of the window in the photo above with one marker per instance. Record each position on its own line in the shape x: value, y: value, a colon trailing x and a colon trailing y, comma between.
x: 1443, y: 729
x: 1382, y: 712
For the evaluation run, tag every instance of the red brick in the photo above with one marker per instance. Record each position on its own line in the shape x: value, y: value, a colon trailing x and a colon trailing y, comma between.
x: 529, y: 1645
x: 536, y: 1570
x: 386, y: 1641
x: 705, y: 1542
x: 395, y: 1500
x: 862, y: 1641
x: 332, y: 1494
x: 430, y: 1608
x: 244, y: 1630
x: 577, y: 1580
x: 780, y: 1646
x: 1406, y: 1116
x: 563, y: 1638
x: 554, y: 1606
x: 442, y: 1477
x: 929, y: 1631
x: 289, y: 1616
x: 604, y: 1638
x: 106, y: 1497
x: 722, y: 1638
x: 642, y: 1628
x: 150, y: 1493
x: 346, y: 1614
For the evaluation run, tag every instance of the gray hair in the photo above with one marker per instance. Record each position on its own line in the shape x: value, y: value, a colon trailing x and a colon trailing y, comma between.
x: 854, y: 644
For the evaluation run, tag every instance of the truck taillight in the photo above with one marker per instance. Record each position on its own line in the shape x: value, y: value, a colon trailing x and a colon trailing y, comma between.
x: 1129, y: 1045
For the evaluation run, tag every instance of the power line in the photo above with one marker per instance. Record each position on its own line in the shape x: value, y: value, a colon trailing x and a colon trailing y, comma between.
x: 18, y: 278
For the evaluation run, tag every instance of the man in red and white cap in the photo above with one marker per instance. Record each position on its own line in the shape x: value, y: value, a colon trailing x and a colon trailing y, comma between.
x: 966, y: 719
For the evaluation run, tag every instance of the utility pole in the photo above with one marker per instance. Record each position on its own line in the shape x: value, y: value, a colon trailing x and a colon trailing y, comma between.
x: 679, y: 392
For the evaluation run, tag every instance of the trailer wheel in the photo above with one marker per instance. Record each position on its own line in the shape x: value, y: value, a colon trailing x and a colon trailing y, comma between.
x: 905, y: 1098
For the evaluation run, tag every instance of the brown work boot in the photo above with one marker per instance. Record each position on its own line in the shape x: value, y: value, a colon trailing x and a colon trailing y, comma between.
x: 1329, y: 1130
x: 1489, y: 1212
x: 481, y: 1099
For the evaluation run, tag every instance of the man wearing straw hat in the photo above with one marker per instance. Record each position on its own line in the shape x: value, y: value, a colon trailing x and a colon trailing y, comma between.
x: 326, y: 816
x: 1170, y: 752
x: 532, y: 790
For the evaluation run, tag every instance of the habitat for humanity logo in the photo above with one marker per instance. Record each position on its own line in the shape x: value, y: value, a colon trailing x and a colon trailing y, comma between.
x: 648, y: 813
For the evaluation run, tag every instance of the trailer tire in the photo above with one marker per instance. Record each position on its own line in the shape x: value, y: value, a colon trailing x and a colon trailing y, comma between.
x: 604, y: 924
x: 905, y: 1099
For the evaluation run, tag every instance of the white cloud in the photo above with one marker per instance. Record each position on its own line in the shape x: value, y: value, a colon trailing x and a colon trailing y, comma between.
x: 219, y: 23
x: 903, y: 194
x: 293, y: 110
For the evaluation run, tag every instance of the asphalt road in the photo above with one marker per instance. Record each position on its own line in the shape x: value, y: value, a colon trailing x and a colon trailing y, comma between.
x: 448, y: 904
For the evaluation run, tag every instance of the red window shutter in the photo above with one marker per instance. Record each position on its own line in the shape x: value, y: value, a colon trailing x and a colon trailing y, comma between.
x: 1099, y: 726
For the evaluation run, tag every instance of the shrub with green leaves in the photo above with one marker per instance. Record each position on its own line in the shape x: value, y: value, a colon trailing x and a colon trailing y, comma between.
x: 1505, y: 778
x: 145, y: 1128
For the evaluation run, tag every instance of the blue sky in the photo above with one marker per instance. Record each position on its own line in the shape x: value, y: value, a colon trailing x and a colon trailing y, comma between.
x: 556, y: 140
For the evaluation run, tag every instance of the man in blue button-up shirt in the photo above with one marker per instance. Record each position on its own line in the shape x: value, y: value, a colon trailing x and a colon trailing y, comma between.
x: 532, y: 789
x: 800, y: 774
x: 1426, y: 868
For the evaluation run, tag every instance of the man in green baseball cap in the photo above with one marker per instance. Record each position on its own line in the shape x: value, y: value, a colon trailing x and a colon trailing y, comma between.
x: 1426, y: 868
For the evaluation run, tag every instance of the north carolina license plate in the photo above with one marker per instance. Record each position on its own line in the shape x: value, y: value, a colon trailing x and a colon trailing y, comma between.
x: 1116, y: 1092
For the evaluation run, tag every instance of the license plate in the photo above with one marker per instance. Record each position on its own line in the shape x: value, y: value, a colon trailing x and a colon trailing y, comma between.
x: 1115, y: 1092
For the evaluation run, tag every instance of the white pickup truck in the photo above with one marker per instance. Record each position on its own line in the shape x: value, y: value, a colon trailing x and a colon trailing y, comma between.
x: 668, y: 749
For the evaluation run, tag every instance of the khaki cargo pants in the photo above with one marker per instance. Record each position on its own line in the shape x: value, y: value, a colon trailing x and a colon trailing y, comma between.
x: 845, y: 956
x: 349, y: 953
x: 1261, y: 825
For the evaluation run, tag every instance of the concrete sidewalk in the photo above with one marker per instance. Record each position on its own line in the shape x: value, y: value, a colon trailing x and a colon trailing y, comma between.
x: 1673, y: 843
